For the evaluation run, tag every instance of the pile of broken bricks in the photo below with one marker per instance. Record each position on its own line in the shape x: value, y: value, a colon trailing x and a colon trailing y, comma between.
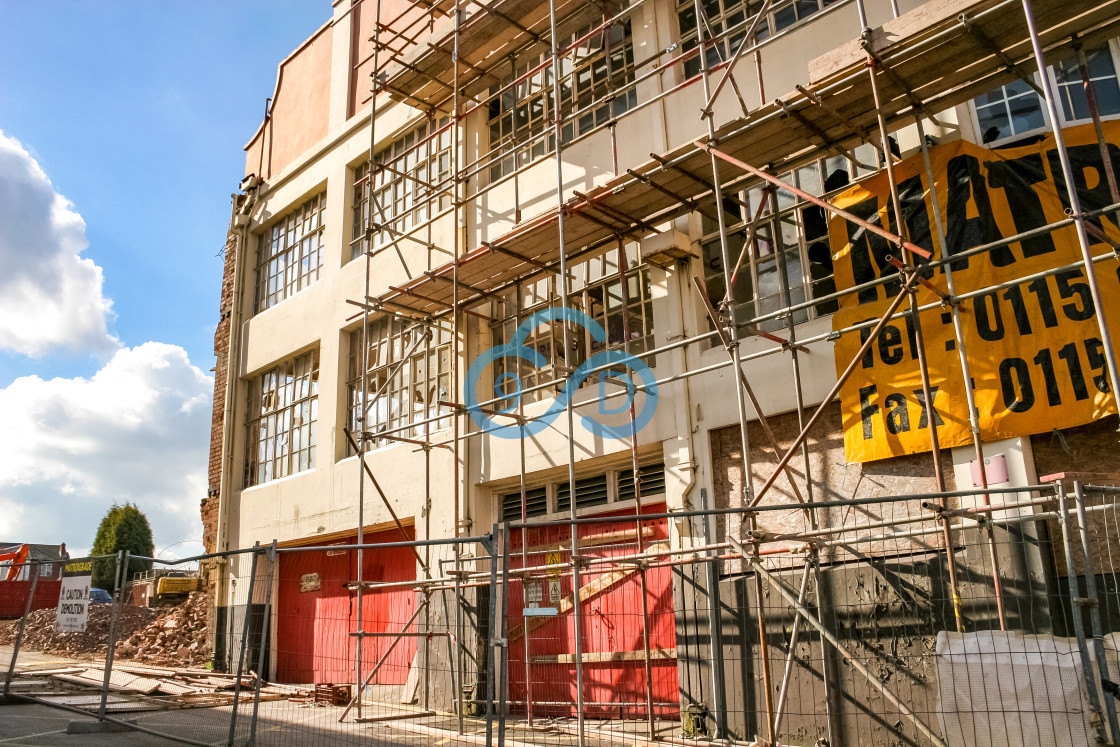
x: 172, y: 636
x: 177, y: 638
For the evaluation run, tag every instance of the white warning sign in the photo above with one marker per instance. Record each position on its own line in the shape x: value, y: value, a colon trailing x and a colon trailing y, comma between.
x: 73, y: 598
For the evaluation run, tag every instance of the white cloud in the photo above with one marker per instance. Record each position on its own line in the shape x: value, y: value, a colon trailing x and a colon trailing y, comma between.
x: 137, y: 430
x: 50, y: 297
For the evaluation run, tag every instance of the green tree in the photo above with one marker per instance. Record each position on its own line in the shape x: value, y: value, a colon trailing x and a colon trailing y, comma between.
x: 123, y: 528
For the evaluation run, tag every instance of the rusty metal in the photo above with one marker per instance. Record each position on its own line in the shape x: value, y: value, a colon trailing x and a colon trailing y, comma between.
x: 520, y: 257
x: 844, y: 122
x: 1009, y: 64
x: 615, y: 212
x: 907, y: 286
x: 893, y: 238
x: 706, y: 110
x: 745, y: 383
x: 690, y: 203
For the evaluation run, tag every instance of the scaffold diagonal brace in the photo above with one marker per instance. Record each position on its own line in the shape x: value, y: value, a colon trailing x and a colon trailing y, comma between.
x: 858, y: 665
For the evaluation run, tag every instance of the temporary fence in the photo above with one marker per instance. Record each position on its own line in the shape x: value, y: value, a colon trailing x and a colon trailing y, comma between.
x: 963, y: 618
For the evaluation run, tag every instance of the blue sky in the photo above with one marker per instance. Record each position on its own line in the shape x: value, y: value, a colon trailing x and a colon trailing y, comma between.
x: 136, y: 114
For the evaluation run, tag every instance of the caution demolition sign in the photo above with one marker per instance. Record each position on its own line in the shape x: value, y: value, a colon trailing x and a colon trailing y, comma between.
x: 73, y: 599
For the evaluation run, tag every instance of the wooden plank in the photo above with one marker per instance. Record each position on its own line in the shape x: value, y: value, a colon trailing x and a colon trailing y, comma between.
x: 171, y: 687
x: 908, y: 26
x: 599, y: 657
x: 945, y: 73
x: 118, y: 681
x: 591, y: 540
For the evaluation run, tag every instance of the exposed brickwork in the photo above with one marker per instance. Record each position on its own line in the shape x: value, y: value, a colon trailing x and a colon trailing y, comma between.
x: 209, y: 507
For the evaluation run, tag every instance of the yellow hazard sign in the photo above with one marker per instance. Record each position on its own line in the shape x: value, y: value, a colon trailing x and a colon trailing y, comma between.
x: 1034, y: 348
x: 553, y: 558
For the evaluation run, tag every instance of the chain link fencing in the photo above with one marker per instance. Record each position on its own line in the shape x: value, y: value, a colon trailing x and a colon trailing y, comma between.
x: 967, y: 618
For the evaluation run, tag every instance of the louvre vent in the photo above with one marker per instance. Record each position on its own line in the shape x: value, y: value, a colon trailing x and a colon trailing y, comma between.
x: 651, y: 478
x: 590, y: 491
x: 536, y: 504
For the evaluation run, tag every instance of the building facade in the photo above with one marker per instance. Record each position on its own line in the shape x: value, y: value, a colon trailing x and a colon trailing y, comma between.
x: 338, y: 329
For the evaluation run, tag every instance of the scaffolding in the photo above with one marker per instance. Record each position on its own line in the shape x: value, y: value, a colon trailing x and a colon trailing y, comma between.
x: 456, y: 59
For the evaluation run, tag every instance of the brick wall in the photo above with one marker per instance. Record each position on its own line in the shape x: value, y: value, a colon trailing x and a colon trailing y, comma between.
x: 209, y: 507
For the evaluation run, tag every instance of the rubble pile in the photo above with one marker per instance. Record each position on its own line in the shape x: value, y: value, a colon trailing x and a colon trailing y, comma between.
x: 40, y: 633
x: 175, y: 638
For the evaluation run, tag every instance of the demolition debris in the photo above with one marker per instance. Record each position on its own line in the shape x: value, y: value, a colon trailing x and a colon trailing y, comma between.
x: 174, y: 636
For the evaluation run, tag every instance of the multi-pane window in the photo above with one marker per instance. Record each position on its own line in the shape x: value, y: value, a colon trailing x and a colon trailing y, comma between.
x: 1015, y: 108
x: 1071, y: 86
x: 805, y: 249
x: 290, y: 253
x: 597, y: 290
x: 1009, y: 110
x: 727, y: 22
x: 410, y: 185
x: 591, y: 79
x: 408, y: 373
x: 283, y: 410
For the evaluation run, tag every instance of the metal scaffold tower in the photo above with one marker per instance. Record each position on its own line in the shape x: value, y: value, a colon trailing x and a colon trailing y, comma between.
x: 454, y: 60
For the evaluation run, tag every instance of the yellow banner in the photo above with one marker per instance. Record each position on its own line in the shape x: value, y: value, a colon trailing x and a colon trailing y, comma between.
x: 1034, y: 348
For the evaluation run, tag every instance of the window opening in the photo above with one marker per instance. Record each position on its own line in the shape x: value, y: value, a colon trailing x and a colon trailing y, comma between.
x: 290, y: 253
x: 283, y: 411
x: 399, y: 395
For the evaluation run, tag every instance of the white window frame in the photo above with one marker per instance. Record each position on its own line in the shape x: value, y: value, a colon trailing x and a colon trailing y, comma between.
x: 290, y: 253
x: 281, y: 421
x: 1113, y: 48
x: 428, y: 368
x: 404, y: 203
x: 729, y: 10
x: 521, y: 131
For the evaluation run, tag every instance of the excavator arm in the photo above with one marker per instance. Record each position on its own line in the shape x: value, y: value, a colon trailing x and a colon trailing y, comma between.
x: 17, y: 559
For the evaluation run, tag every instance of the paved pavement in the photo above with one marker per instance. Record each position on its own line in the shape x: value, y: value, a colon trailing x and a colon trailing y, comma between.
x: 34, y: 725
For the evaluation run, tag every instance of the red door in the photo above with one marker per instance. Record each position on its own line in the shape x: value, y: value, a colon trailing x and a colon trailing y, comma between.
x: 612, y: 624
x: 316, y: 612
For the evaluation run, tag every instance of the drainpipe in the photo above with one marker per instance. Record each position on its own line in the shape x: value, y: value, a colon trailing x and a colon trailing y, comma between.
x: 684, y: 269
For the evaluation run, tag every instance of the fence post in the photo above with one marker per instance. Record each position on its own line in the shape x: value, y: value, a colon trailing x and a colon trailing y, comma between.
x: 22, y: 625
x: 501, y: 639
x: 265, y: 631
x: 1075, y: 604
x: 244, y: 643
x: 1092, y: 603
x: 491, y: 685
x: 111, y: 644
x: 715, y: 627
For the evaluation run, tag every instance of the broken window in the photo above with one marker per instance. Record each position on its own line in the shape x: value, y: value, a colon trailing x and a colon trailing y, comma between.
x: 1016, y: 109
x: 408, y: 374
x: 290, y: 253
x: 805, y: 249
x: 595, y: 80
x: 282, y: 412
x: 412, y: 172
x: 596, y: 289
